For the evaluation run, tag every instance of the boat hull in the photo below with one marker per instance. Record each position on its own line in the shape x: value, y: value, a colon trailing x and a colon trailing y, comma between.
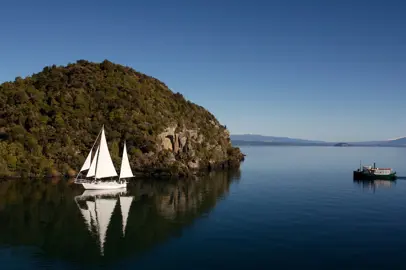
x: 359, y: 175
x: 104, y: 185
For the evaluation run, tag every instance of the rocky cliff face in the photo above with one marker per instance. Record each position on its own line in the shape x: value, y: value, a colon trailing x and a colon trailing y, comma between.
x: 182, y: 144
x: 49, y: 121
x: 184, y: 151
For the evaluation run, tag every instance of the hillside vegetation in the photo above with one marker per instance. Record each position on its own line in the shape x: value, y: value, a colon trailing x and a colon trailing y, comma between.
x: 49, y: 121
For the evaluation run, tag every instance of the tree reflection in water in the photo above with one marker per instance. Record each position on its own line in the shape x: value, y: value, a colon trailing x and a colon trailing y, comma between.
x: 65, y: 222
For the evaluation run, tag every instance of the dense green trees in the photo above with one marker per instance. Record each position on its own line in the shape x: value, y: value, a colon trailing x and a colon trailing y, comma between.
x: 48, y: 121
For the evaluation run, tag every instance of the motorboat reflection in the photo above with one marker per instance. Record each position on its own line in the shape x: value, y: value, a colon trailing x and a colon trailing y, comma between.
x: 374, y: 184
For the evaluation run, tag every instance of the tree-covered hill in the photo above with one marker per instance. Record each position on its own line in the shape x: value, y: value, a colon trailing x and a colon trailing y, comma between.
x: 49, y: 121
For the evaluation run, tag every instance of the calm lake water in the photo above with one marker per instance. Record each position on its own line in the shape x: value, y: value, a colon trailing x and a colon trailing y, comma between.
x: 286, y: 208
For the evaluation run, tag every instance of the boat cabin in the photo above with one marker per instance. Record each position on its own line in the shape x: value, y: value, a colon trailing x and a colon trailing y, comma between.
x: 377, y: 171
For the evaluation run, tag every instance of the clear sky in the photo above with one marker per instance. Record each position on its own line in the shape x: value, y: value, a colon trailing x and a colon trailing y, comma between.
x: 328, y: 70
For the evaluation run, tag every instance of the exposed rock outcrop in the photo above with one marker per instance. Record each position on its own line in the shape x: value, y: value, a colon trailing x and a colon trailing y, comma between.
x: 183, y: 142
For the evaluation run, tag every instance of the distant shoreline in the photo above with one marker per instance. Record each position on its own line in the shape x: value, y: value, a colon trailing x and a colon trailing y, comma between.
x: 256, y: 143
x: 252, y: 139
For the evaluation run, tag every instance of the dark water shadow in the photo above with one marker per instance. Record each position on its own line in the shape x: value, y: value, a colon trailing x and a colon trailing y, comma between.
x: 67, y: 223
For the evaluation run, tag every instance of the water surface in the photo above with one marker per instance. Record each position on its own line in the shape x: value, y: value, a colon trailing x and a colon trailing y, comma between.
x: 286, y: 208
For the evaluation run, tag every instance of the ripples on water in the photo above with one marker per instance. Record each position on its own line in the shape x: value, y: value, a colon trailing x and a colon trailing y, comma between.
x: 289, y: 207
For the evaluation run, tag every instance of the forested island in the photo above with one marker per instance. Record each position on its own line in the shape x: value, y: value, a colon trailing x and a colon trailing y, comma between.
x: 49, y: 121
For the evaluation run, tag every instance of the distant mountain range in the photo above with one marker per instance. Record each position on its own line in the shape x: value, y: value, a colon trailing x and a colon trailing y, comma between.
x: 254, y: 139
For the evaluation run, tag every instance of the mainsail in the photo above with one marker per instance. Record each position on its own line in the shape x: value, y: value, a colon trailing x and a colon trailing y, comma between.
x: 105, y: 167
x: 125, y: 171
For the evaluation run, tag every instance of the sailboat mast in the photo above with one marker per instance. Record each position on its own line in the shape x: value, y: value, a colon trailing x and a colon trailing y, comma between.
x: 96, y: 138
x: 97, y: 158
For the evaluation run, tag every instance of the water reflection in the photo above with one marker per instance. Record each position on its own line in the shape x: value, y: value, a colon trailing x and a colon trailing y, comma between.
x: 89, y: 227
x: 97, y: 207
x: 372, y: 185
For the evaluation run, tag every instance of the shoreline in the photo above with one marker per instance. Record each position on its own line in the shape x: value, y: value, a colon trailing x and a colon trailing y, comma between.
x: 154, y: 173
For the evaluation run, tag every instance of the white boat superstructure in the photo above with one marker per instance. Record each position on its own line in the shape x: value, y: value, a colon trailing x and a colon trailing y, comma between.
x: 97, y: 207
x: 101, y: 172
x: 377, y: 171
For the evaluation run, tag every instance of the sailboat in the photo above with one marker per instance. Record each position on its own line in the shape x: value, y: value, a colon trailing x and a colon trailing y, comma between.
x: 100, y: 168
x: 97, y: 207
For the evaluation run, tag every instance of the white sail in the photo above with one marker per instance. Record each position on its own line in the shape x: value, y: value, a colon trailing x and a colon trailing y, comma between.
x: 125, y: 203
x: 104, y: 210
x: 125, y: 171
x: 105, y: 166
x: 92, y: 169
x: 86, y: 165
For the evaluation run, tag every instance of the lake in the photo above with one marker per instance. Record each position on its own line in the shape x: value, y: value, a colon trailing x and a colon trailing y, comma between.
x: 286, y: 208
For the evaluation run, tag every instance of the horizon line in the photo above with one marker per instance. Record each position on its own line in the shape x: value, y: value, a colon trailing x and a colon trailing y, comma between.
x: 326, y: 141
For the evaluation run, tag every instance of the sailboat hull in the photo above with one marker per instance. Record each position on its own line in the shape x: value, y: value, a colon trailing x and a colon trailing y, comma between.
x: 104, y: 185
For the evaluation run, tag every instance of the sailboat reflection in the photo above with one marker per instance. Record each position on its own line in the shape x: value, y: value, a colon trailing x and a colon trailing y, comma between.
x: 97, y: 207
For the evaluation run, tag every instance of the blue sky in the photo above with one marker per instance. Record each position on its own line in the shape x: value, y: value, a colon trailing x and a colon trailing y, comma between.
x: 328, y: 70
